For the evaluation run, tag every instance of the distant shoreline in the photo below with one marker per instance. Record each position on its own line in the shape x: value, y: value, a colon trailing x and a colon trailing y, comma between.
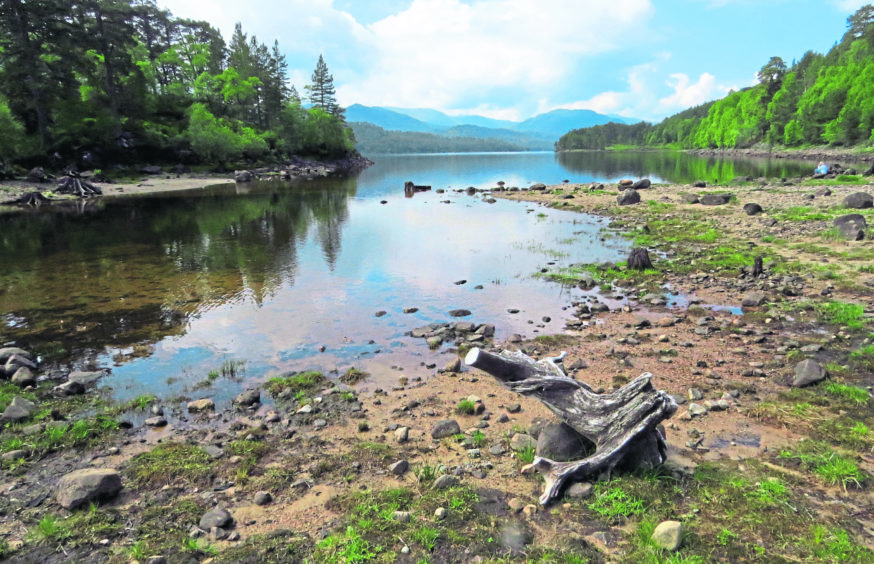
x: 809, y: 154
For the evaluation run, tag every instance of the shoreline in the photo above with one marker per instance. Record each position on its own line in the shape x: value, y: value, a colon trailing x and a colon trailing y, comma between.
x: 811, y: 154
x: 326, y: 453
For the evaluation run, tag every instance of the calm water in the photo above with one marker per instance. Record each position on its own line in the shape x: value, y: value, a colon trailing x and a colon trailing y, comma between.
x: 164, y: 289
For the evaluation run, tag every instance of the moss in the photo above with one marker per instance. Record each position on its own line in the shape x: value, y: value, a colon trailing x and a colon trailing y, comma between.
x: 307, y: 382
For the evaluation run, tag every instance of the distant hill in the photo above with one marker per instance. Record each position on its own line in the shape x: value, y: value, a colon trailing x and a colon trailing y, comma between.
x: 372, y: 139
x: 537, y: 133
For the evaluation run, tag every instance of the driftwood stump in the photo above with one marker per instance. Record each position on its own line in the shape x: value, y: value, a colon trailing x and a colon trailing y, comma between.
x: 78, y: 186
x: 622, y: 424
x: 758, y: 267
x: 639, y: 259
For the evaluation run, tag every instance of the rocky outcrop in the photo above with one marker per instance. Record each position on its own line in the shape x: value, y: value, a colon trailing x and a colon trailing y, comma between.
x: 628, y: 197
x: 859, y: 201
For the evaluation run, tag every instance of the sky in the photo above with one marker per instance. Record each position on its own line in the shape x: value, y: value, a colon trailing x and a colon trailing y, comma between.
x: 512, y: 59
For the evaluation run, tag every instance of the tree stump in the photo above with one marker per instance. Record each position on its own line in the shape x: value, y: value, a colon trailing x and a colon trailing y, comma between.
x: 78, y: 186
x: 758, y: 267
x: 639, y: 259
x: 622, y: 424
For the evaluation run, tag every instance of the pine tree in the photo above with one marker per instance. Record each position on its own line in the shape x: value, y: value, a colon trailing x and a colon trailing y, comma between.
x: 322, y: 92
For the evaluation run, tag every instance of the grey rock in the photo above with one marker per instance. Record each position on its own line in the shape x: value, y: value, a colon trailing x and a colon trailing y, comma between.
x: 14, y: 362
x: 715, y: 199
x: 668, y: 535
x: 24, y: 377
x: 445, y: 428
x: 628, y: 198
x: 81, y: 486
x: 198, y: 406
x: 521, y: 441
x: 402, y: 516
x: 807, y: 372
x: 696, y: 410
x: 85, y: 378
x: 221, y: 518
x: 402, y: 434
x: 399, y: 468
x: 579, y: 490
x: 859, y: 201
x: 156, y: 421
x: 18, y: 410
x: 248, y: 397
x: 752, y: 209
x: 851, y: 226
x: 691, y: 198
x: 642, y: 184
x: 14, y: 455
x: 446, y: 481
x: 459, y: 312
x: 7, y: 352
x: 514, y: 408
x: 497, y: 450
x: 263, y: 498
x: 560, y: 442
x: 754, y: 299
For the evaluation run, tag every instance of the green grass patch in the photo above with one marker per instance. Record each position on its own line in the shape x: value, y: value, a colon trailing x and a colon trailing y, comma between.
x: 306, y: 382
x: 802, y: 213
x: 465, y: 407
x: 171, y: 463
x: 819, y: 458
x: 612, y: 502
x: 841, y: 313
x: 853, y: 394
x: 353, y: 376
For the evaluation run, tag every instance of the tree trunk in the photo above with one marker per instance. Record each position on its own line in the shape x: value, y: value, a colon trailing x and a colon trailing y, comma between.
x: 78, y: 186
x: 622, y: 424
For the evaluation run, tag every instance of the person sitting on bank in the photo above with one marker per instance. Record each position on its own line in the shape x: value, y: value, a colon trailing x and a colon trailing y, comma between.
x: 821, y: 168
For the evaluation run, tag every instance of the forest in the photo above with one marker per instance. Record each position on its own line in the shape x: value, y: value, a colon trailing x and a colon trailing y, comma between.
x: 817, y: 100
x: 372, y: 139
x: 99, y: 83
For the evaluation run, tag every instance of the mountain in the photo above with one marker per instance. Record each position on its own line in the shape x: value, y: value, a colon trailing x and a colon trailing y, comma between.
x: 372, y: 139
x: 537, y: 133
x: 387, y: 119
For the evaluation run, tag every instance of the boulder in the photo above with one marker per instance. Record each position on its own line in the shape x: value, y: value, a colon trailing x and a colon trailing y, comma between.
x: 154, y: 170
x: 6, y: 352
x: 752, y: 209
x: 538, y: 186
x: 81, y: 486
x: 754, y: 299
x: 626, y: 183
x: 24, y: 377
x: 668, y: 535
x: 700, y: 184
x: 459, y: 312
x: 560, y: 442
x: 628, y: 197
x: 200, y: 405
x: 715, y: 199
x: 859, y: 201
x: 248, y: 397
x: 220, y: 518
x: 807, y: 372
x: 852, y: 226
x: 14, y: 362
x: 445, y: 428
x: 18, y: 410
x: 642, y: 184
x: 445, y: 481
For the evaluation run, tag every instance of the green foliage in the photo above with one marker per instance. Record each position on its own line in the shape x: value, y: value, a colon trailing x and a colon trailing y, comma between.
x: 526, y: 454
x: 348, y: 547
x: 818, y: 100
x: 841, y: 313
x: 465, y: 407
x: 852, y: 393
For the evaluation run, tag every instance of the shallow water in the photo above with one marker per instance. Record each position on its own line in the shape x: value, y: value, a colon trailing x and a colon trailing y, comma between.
x: 164, y: 289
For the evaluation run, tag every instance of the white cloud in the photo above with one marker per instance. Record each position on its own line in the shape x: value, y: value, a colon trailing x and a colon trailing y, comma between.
x: 436, y: 51
x: 641, y: 100
x: 850, y: 5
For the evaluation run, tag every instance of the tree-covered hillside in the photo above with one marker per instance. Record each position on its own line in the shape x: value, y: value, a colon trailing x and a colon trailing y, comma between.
x: 102, y: 82
x: 372, y: 139
x: 818, y: 100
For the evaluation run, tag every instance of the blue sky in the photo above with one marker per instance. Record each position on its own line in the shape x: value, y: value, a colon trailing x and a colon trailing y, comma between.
x: 512, y: 59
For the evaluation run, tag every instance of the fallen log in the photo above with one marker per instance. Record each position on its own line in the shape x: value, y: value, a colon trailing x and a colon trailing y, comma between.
x: 623, y: 424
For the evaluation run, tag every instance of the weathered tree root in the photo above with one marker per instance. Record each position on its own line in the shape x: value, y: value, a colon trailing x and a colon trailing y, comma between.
x: 622, y: 424
x: 78, y: 186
